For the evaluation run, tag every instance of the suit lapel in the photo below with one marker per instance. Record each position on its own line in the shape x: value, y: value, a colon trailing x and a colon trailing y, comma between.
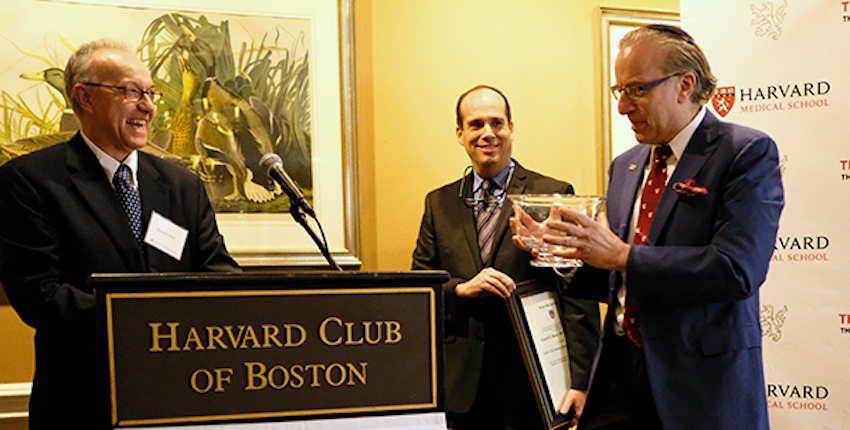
x: 466, y: 215
x: 696, y: 154
x: 154, y: 193
x: 627, y: 193
x: 88, y: 177
x: 155, y: 197
x: 516, y: 186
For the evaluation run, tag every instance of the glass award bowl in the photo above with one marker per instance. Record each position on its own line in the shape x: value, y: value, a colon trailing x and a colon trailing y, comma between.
x: 531, y: 211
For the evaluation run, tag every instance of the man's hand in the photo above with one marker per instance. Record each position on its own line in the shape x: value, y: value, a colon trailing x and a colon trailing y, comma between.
x: 591, y: 241
x: 487, y: 282
x: 516, y: 239
x: 525, y: 225
x: 573, y: 399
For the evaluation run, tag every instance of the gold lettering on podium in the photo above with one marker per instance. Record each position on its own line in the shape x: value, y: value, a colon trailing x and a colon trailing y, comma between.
x: 156, y: 336
x: 259, y: 376
x: 221, y: 376
x: 331, y: 333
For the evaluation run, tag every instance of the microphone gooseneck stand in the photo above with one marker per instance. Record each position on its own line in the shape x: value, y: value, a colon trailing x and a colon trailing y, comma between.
x: 322, y: 244
x: 298, y: 206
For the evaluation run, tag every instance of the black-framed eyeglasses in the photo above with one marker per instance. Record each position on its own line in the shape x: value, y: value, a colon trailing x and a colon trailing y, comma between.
x: 487, y: 201
x: 634, y: 91
x: 131, y: 92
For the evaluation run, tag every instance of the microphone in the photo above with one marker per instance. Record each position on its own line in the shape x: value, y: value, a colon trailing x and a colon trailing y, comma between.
x: 273, y: 166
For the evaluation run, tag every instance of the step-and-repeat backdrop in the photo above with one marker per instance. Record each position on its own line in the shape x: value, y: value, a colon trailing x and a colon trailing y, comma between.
x: 783, y: 66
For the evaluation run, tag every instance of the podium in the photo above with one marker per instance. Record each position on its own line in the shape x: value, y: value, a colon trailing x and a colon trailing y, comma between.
x: 178, y: 349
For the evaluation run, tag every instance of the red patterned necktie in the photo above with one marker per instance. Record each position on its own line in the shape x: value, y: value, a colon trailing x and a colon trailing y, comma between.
x: 656, y: 180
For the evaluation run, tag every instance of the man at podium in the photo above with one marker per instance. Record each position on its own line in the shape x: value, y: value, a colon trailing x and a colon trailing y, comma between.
x: 95, y: 204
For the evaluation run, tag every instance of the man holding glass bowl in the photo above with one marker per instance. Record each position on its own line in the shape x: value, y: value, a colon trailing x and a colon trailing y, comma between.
x: 693, y: 213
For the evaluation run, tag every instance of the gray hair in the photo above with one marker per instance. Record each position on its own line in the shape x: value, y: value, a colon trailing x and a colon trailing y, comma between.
x: 78, y: 69
x: 681, y: 55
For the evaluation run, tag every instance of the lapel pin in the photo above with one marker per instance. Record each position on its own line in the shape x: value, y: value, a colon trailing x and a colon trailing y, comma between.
x: 633, y: 167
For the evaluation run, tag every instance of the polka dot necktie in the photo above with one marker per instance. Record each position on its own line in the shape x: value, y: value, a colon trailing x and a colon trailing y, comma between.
x: 130, y: 200
x: 656, y: 180
x: 488, y: 214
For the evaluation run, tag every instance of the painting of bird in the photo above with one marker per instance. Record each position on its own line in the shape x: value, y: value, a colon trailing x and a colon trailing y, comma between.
x: 55, y: 77
x: 230, y: 131
x: 68, y: 122
x: 178, y: 136
x: 222, y: 108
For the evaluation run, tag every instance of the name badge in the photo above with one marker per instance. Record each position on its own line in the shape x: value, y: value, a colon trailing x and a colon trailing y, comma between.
x: 166, y: 236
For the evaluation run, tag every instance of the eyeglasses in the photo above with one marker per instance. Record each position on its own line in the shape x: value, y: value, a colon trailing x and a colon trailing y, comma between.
x: 131, y: 92
x: 634, y: 92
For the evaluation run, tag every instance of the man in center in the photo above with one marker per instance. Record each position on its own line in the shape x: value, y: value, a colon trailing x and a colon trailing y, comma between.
x: 465, y: 231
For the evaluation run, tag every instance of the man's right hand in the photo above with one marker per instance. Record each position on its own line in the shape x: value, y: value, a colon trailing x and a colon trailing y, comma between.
x: 487, y: 282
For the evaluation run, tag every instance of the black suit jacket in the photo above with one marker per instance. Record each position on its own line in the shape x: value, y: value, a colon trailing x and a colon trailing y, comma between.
x: 60, y: 221
x: 481, y: 327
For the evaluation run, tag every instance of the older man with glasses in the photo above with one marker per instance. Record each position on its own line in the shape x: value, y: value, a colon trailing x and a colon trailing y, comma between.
x: 693, y: 213
x: 85, y: 206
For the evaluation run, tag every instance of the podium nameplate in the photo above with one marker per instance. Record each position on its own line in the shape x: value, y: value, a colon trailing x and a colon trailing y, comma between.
x: 206, y: 355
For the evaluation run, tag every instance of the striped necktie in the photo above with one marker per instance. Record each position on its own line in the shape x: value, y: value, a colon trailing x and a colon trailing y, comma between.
x: 130, y: 200
x: 488, y: 214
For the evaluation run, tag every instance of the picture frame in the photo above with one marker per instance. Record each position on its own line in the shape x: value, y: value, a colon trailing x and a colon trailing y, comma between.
x: 615, y: 134
x: 535, y: 311
x: 256, y: 239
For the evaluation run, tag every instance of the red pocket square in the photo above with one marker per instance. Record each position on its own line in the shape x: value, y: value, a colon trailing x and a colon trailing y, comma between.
x: 691, y: 187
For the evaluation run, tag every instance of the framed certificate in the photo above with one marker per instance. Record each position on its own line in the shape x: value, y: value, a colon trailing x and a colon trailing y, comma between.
x: 535, y: 312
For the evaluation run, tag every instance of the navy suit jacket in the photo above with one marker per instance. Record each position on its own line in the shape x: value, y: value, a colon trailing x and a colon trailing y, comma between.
x: 60, y: 221
x: 697, y: 278
x: 481, y: 327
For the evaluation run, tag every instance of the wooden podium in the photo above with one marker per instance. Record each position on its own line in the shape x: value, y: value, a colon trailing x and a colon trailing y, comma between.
x: 213, y: 348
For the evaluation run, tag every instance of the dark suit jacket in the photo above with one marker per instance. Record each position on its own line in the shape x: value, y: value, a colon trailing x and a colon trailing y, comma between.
x: 60, y: 221
x: 697, y: 279
x: 478, y: 327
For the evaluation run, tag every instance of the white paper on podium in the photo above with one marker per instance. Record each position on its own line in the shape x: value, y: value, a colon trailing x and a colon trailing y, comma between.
x: 426, y: 421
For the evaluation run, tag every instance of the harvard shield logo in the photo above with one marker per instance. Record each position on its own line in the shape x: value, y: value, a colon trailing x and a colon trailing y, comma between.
x: 723, y: 100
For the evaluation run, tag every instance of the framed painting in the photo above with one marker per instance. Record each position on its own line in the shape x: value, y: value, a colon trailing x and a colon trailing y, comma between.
x: 239, y: 80
x: 615, y: 131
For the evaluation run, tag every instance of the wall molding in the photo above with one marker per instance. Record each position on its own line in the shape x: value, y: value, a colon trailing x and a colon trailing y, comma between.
x: 14, y: 402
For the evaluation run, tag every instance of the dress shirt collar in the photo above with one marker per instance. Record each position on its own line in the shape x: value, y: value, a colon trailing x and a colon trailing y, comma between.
x: 501, y: 179
x: 110, y: 165
x: 680, y: 141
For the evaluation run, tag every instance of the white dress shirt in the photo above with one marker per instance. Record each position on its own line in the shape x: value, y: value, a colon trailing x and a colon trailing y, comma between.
x: 677, y: 145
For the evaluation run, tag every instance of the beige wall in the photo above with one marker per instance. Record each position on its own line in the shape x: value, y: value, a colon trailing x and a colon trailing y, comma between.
x: 414, y: 57
x: 17, y: 350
